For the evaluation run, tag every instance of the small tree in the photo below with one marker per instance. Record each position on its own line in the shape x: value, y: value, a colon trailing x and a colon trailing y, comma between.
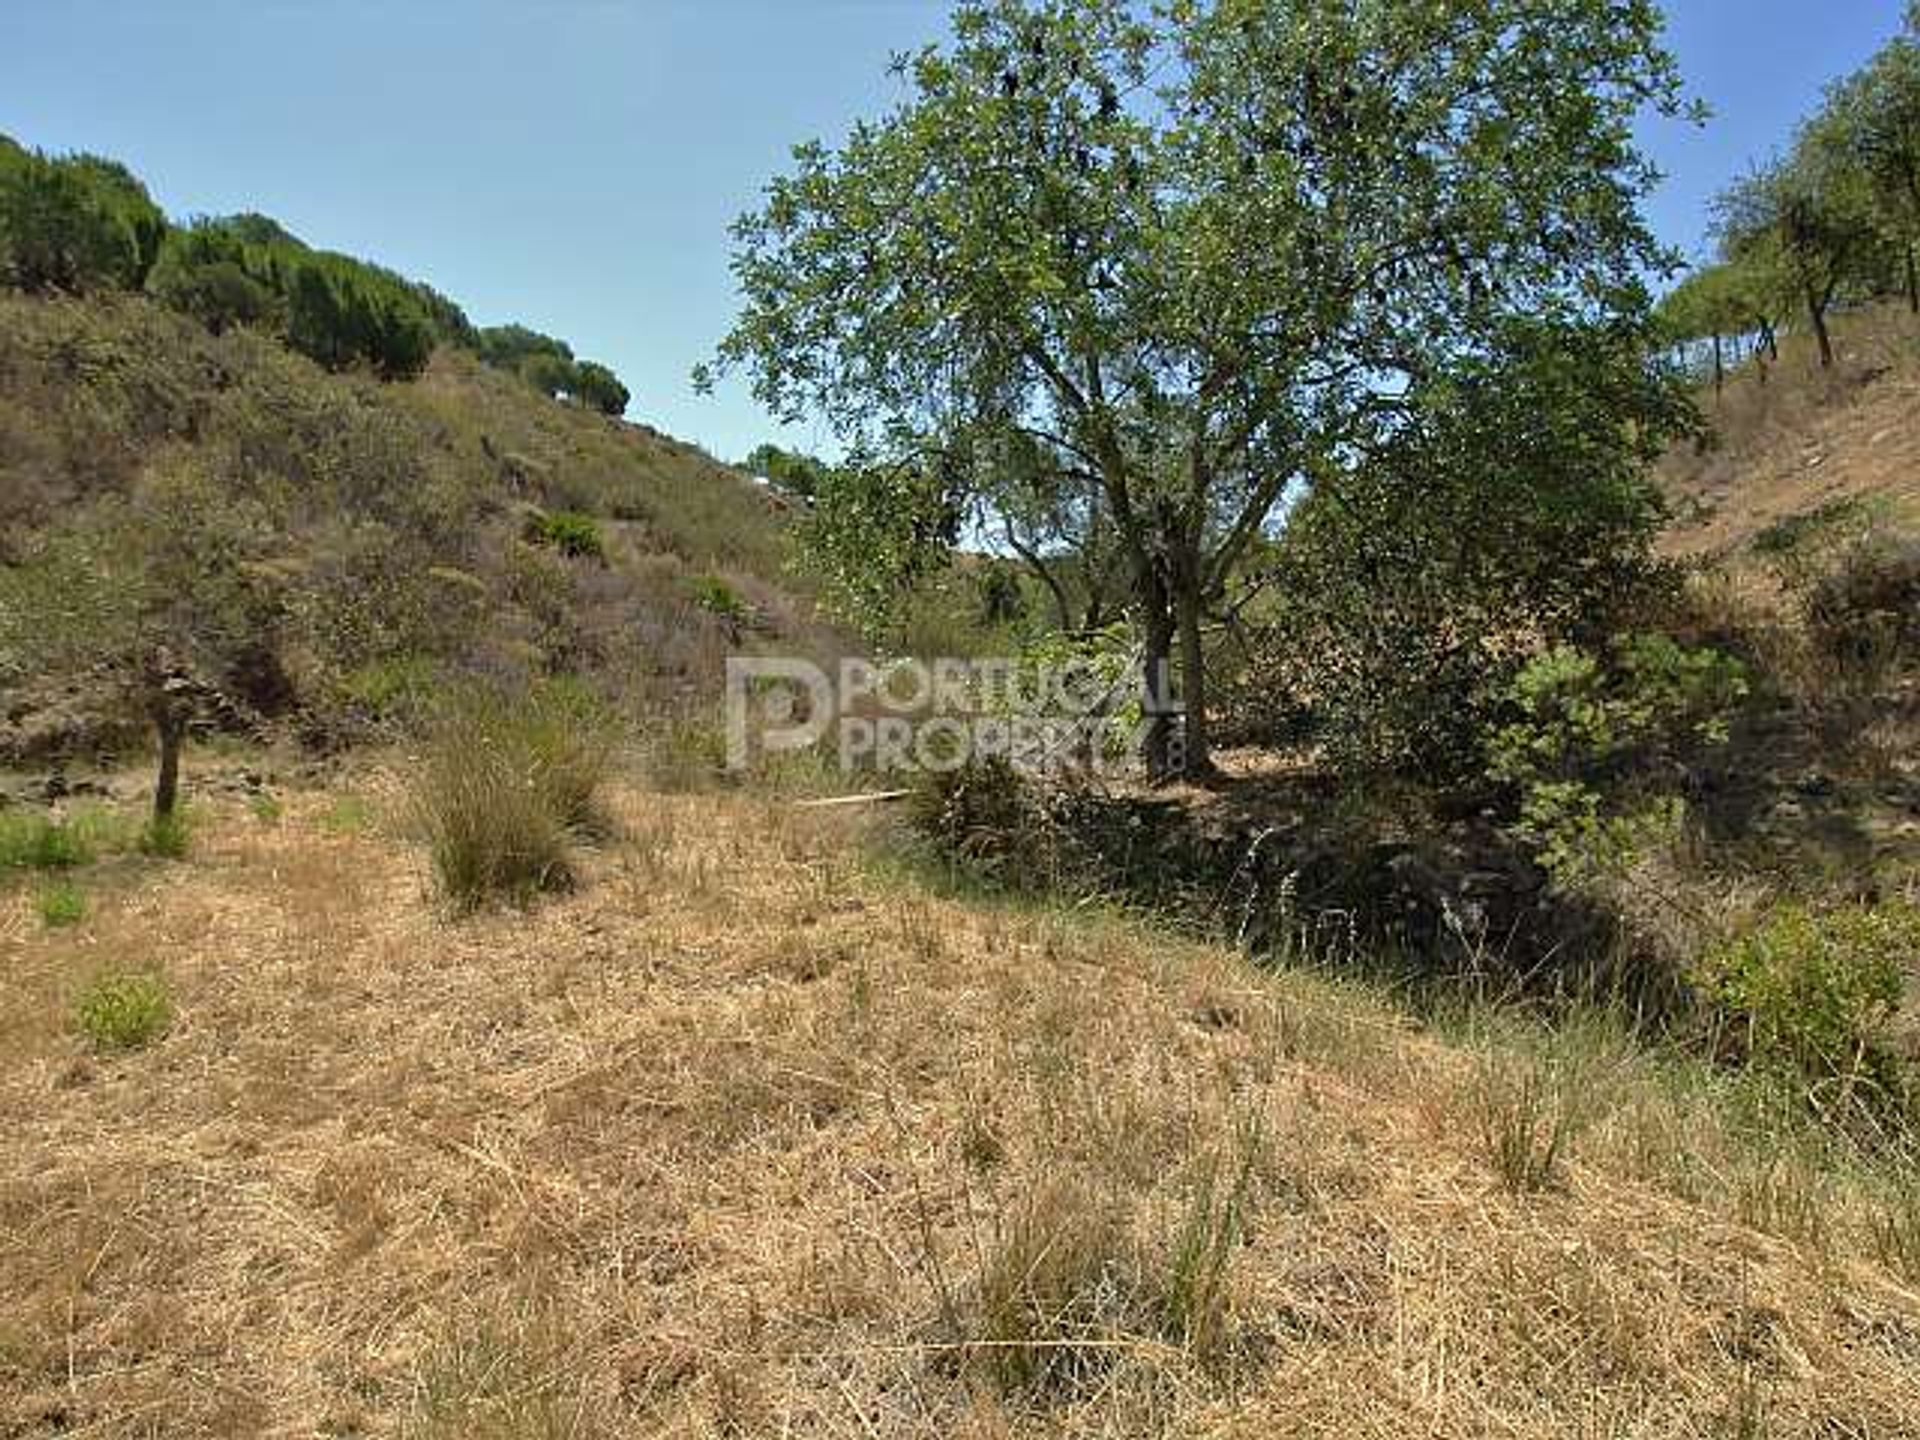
x: 1806, y: 224
x: 597, y: 386
x: 147, y: 602
x: 1872, y: 120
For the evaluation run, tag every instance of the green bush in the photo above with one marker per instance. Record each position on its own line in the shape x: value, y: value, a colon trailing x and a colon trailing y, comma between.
x: 1586, y: 730
x: 508, y: 786
x: 124, y: 1011
x: 1816, y: 989
x: 62, y: 906
x: 396, y: 688
x: 167, y: 837
x: 39, y: 842
x: 574, y: 535
x: 717, y: 597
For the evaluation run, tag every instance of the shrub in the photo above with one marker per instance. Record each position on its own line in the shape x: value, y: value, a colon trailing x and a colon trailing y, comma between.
x: 124, y: 1012
x: 982, y: 814
x: 1866, y: 609
x: 508, y: 785
x: 574, y: 535
x: 717, y: 597
x: 1816, y: 989
x: 167, y: 837
x: 39, y: 842
x: 61, y: 906
x: 1586, y: 728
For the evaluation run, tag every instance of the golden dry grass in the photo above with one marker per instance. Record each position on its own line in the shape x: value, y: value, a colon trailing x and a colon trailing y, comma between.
x: 747, y: 1138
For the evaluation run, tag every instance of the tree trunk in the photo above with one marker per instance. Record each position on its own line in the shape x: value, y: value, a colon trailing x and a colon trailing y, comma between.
x: 1156, y: 693
x: 1196, y: 759
x: 1913, y: 284
x: 1719, y: 367
x: 1817, y: 313
x: 172, y: 728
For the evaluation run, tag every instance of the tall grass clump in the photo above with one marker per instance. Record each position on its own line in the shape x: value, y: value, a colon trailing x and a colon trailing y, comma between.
x: 124, y: 1011
x: 39, y: 842
x: 507, y: 787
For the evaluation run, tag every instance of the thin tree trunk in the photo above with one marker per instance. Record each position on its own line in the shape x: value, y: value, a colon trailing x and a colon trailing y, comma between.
x: 1913, y: 284
x: 1156, y: 694
x: 1197, y: 757
x: 1817, y: 312
x: 1719, y: 367
x: 172, y: 729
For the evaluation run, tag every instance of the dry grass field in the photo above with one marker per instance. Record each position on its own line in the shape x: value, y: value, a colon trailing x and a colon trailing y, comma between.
x: 755, y: 1134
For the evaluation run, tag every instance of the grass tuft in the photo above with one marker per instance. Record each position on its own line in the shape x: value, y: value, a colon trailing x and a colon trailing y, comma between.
x: 508, y: 787
x: 62, y: 906
x: 167, y: 837
x: 124, y: 1011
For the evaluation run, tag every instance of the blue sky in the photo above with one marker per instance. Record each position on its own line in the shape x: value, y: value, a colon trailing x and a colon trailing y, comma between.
x: 573, y: 164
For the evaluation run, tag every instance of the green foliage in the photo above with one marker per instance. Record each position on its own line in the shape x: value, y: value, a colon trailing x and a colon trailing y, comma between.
x: 1815, y: 989
x: 167, y: 837
x: 508, y: 785
x: 873, y: 533
x: 574, y: 535
x: 341, y: 312
x: 1513, y: 511
x: 794, y: 472
x: 399, y: 687
x: 203, y: 272
x: 550, y: 366
x: 124, y: 1011
x: 1587, y: 728
x: 33, y: 841
x: 598, y: 388
x: 715, y: 596
x: 1162, y: 250
x: 75, y: 223
x: 62, y: 906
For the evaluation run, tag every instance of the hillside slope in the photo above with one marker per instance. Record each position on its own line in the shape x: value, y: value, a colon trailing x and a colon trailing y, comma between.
x: 391, y: 530
x: 1798, y: 445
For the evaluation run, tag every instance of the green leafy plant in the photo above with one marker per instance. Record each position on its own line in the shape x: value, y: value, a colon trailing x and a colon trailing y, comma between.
x: 39, y: 842
x: 1589, y: 728
x: 1815, y: 989
x: 62, y: 906
x: 167, y: 837
x: 718, y: 598
x: 124, y: 1011
x: 574, y: 535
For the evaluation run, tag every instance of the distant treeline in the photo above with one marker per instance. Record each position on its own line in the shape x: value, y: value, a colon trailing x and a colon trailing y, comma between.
x: 1836, y: 220
x: 79, y: 224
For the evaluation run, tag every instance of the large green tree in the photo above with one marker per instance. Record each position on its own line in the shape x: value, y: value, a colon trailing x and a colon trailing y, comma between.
x: 1199, y: 252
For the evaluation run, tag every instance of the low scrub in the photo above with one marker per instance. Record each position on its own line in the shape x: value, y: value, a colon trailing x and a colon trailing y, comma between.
x: 507, y: 788
x: 39, y: 842
x: 573, y: 534
x: 1865, y: 611
x: 124, y: 1011
x: 1815, y: 990
x: 62, y: 906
